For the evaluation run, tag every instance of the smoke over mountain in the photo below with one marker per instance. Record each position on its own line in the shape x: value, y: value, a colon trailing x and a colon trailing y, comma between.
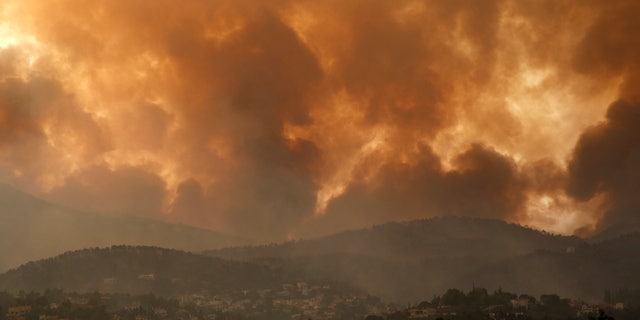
x: 294, y: 118
x: 607, y: 160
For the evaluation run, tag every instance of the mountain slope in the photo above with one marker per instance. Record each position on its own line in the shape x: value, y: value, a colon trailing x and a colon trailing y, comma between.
x: 404, y: 261
x: 137, y: 270
x: 415, y: 240
x: 32, y: 229
x: 584, y: 272
x: 615, y: 231
x: 400, y: 262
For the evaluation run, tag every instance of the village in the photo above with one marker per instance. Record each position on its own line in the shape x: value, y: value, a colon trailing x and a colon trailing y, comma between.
x: 295, y: 301
x: 290, y: 301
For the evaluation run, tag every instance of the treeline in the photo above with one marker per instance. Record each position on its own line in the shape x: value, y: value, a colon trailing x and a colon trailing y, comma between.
x: 138, y: 270
x: 477, y: 297
x: 95, y: 306
x: 479, y: 300
x: 481, y: 304
x: 52, y: 303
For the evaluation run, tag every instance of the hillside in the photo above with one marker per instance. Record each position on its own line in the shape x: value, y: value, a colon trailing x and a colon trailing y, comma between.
x: 442, y: 237
x: 583, y: 272
x: 32, y: 229
x: 400, y: 262
x: 615, y: 231
x: 404, y: 261
x: 137, y: 270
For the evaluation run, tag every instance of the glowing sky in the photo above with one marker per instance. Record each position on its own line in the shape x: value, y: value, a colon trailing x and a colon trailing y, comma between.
x: 275, y: 119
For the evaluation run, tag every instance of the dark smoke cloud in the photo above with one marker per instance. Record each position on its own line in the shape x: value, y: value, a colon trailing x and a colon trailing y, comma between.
x: 606, y: 157
x: 266, y: 76
x: 248, y: 116
x: 123, y: 190
x: 486, y: 185
x: 226, y: 104
x: 611, y: 47
x: 35, y: 114
x: 607, y: 160
x: 191, y: 203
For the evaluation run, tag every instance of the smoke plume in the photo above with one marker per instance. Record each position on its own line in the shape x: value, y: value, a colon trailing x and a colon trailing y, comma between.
x: 298, y: 118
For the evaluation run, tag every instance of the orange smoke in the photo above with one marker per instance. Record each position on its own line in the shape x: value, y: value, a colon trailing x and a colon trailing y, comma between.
x: 272, y: 118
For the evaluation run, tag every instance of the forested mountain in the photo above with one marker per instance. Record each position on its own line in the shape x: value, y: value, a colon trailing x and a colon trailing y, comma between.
x: 405, y: 261
x: 400, y: 262
x: 138, y: 270
x: 32, y: 229
x: 615, y: 231
x: 441, y: 237
x: 585, y: 271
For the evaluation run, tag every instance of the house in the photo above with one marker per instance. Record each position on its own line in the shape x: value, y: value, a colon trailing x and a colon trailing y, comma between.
x: 149, y: 276
x: 421, y: 313
x: 109, y: 281
x: 521, y: 302
x: 160, y: 312
x: 289, y: 288
x: 586, y: 309
x: 18, y: 311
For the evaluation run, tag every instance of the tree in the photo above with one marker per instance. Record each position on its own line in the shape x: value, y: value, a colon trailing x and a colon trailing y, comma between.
x: 602, y: 316
x: 478, y: 297
x: 453, y: 297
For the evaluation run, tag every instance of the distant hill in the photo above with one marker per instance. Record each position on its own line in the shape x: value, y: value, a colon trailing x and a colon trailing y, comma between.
x: 405, y: 261
x: 32, y: 229
x: 585, y: 271
x: 138, y: 270
x: 400, y: 262
x: 615, y: 231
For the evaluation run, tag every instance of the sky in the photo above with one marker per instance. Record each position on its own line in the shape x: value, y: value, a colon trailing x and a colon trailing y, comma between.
x: 287, y: 119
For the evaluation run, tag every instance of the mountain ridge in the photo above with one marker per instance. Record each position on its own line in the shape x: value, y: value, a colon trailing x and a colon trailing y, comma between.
x: 539, y: 263
x: 404, y: 233
x: 404, y: 261
x: 584, y: 271
x: 137, y: 269
x: 32, y: 228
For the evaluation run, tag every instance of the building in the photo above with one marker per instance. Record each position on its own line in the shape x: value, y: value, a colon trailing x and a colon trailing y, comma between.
x: 149, y: 276
x: 19, y: 311
x: 521, y: 302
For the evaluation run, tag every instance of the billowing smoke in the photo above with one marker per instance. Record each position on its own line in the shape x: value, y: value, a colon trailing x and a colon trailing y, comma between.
x: 486, y: 184
x: 607, y: 160
x: 277, y: 118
